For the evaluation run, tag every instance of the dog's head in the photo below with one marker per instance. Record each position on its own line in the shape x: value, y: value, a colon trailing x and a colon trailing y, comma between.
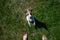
x: 28, y: 11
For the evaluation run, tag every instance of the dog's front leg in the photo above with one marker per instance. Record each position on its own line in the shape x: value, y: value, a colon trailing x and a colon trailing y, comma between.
x: 29, y: 23
x: 34, y: 22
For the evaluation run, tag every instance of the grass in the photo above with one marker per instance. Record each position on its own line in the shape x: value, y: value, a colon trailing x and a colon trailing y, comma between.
x: 13, y: 23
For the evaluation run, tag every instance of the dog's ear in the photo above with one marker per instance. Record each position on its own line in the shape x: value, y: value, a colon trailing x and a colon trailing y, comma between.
x: 30, y: 10
x: 25, y: 11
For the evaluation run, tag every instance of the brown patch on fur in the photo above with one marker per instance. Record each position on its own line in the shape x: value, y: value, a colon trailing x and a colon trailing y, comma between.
x: 28, y: 10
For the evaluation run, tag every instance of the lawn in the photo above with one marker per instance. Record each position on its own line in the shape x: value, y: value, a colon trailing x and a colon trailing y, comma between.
x: 13, y: 23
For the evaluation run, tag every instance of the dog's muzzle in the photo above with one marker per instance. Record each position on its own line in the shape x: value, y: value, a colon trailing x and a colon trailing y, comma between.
x: 31, y: 20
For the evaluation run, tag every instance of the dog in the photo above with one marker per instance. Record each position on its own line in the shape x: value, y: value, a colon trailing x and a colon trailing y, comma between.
x: 30, y: 19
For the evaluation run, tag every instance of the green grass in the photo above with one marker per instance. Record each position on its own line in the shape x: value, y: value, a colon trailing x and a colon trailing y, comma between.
x: 13, y: 23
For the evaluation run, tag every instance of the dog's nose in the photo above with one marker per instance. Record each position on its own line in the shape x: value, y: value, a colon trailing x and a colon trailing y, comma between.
x: 30, y: 17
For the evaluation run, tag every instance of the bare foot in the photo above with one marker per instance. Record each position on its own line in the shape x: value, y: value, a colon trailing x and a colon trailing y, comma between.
x: 44, y: 37
x: 25, y: 37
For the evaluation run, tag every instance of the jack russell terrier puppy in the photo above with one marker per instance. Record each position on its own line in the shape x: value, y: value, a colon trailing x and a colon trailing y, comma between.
x: 30, y: 19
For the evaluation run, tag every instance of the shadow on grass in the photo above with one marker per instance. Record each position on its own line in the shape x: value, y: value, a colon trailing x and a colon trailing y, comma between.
x: 40, y: 24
